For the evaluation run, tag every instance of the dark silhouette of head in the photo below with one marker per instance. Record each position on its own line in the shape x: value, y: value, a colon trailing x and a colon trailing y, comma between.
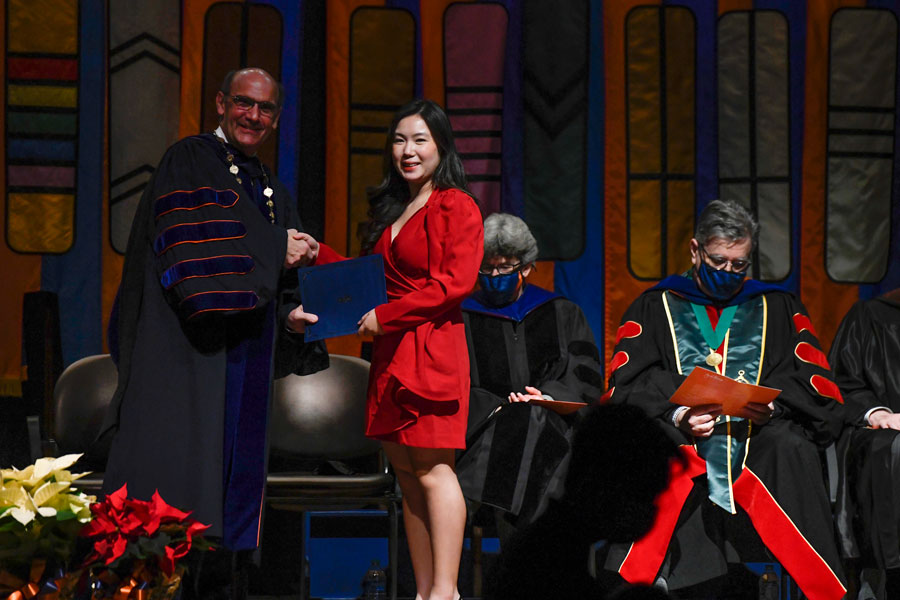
x: 620, y: 463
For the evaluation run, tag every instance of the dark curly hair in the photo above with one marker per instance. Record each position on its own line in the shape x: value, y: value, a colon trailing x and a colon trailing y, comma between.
x: 388, y: 199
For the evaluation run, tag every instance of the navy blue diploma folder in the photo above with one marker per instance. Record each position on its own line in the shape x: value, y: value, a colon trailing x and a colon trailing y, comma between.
x: 340, y: 293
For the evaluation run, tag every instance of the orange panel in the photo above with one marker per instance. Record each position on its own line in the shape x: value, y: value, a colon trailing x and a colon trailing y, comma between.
x: 431, y: 13
x: 623, y: 288
x: 826, y: 300
x: 193, y: 20
x: 732, y: 5
x: 337, y: 128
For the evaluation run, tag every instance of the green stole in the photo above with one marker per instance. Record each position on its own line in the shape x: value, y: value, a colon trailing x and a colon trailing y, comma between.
x: 726, y: 449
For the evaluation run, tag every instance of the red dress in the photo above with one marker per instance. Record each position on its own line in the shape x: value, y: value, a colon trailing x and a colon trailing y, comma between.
x: 419, y: 379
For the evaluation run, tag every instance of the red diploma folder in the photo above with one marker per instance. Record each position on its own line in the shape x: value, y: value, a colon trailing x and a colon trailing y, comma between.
x: 703, y: 386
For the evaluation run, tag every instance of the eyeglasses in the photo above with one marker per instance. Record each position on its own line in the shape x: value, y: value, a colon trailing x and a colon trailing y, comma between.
x: 266, y: 108
x: 502, y: 269
x: 738, y: 265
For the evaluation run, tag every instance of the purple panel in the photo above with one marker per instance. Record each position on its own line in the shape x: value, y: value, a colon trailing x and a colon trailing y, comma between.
x: 474, y: 59
x: 40, y: 176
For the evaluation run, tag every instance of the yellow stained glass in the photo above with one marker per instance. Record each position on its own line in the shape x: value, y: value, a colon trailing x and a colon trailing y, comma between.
x: 56, y: 96
x: 40, y: 223
x: 42, y: 26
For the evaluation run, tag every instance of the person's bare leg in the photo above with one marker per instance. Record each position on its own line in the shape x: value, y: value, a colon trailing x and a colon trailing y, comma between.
x: 415, y: 518
x: 446, y: 515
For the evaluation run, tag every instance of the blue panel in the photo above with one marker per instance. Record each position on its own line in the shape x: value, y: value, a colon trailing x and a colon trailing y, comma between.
x: 706, y: 115
x: 290, y: 78
x: 582, y: 280
x: 512, y: 193
x: 36, y: 149
x: 76, y: 275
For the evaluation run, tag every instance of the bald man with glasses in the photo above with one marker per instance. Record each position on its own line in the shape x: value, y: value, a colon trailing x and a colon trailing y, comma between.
x: 204, y: 324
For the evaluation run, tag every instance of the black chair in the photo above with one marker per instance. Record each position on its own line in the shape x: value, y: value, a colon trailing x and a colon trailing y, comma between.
x: 321, y: 417
x: 80, y: 399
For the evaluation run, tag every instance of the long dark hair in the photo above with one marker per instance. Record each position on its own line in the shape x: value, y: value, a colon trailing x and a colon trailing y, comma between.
x: 388, y: 199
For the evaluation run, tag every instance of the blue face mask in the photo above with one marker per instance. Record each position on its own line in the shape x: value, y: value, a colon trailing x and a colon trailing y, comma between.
x: 720, y: 284
x: 499, y: 290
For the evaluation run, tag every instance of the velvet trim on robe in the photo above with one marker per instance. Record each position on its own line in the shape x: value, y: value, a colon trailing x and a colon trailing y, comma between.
x: 781, y: 480
x: 517, y: 456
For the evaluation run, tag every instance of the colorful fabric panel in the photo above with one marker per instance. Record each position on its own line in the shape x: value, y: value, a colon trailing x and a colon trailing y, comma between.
x: 42, y: 125
x: 145, y: 46
x: 861, y: 108
x: 754, y: 132
x: 382, y: 77
x: 473, y: 72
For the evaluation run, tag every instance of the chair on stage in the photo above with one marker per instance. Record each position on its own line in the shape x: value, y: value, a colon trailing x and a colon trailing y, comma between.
x: 321, y: 418
x: 80, y: 398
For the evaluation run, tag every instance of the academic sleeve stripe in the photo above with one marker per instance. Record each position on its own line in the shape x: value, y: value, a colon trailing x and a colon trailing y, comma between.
x: 825, y: 387
x: 802, y: 322
x: 202, y: 302
x: 194, y: 199
x: 238, y: 264
x: 810, y: 354
x: 198, y: 233
x: 619, y: 360
x: 628, y: 329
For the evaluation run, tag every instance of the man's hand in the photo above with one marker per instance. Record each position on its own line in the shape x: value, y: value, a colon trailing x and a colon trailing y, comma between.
x: 699, y: 421
x: 531, y: 393
x: 302, y: 249
x: 758, y: 413
x: 297, y: 320
x: 369, y: 325
x: 882, y: 419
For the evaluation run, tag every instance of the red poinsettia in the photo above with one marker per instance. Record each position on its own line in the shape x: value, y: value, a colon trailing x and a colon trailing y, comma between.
x: 124, y: 528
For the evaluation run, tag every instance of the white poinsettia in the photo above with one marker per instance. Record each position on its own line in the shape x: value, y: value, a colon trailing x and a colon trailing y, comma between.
x: 43, y: 489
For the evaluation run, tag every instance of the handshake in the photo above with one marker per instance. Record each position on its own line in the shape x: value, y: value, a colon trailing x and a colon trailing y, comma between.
x: 302, y: 249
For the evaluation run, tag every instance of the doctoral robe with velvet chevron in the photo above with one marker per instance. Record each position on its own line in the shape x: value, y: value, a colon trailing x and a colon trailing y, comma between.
x: 200, y: 314
x: 769, y: 475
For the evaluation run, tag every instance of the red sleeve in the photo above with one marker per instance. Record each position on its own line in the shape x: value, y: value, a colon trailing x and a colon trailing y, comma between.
x: 455, y: 236
x: 327, y: 255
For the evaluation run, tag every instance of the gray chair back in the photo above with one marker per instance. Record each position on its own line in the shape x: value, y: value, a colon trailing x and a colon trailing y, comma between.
x: 323, y: 415
x: 81, y: 396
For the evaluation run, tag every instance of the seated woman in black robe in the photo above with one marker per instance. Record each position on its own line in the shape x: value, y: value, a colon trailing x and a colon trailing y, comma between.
x: 525, y: 343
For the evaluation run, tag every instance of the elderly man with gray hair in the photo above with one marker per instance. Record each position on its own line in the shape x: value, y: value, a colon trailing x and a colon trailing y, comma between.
x: 757, y: 471
x: 525, y: 343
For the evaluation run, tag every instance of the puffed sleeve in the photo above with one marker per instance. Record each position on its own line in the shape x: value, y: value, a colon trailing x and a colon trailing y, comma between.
x: 212, y: 252
x: 796, y: 365
x: 641, y: 370
x: 455, y: 246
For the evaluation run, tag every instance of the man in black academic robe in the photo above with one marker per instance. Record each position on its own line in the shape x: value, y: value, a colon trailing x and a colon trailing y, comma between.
x: 205, y: 299
x: 865, y: 356
x: 761, y: 469
x: 532, y: 340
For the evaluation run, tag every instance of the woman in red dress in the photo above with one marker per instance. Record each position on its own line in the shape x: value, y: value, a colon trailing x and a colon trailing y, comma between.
x: 428, y: 230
